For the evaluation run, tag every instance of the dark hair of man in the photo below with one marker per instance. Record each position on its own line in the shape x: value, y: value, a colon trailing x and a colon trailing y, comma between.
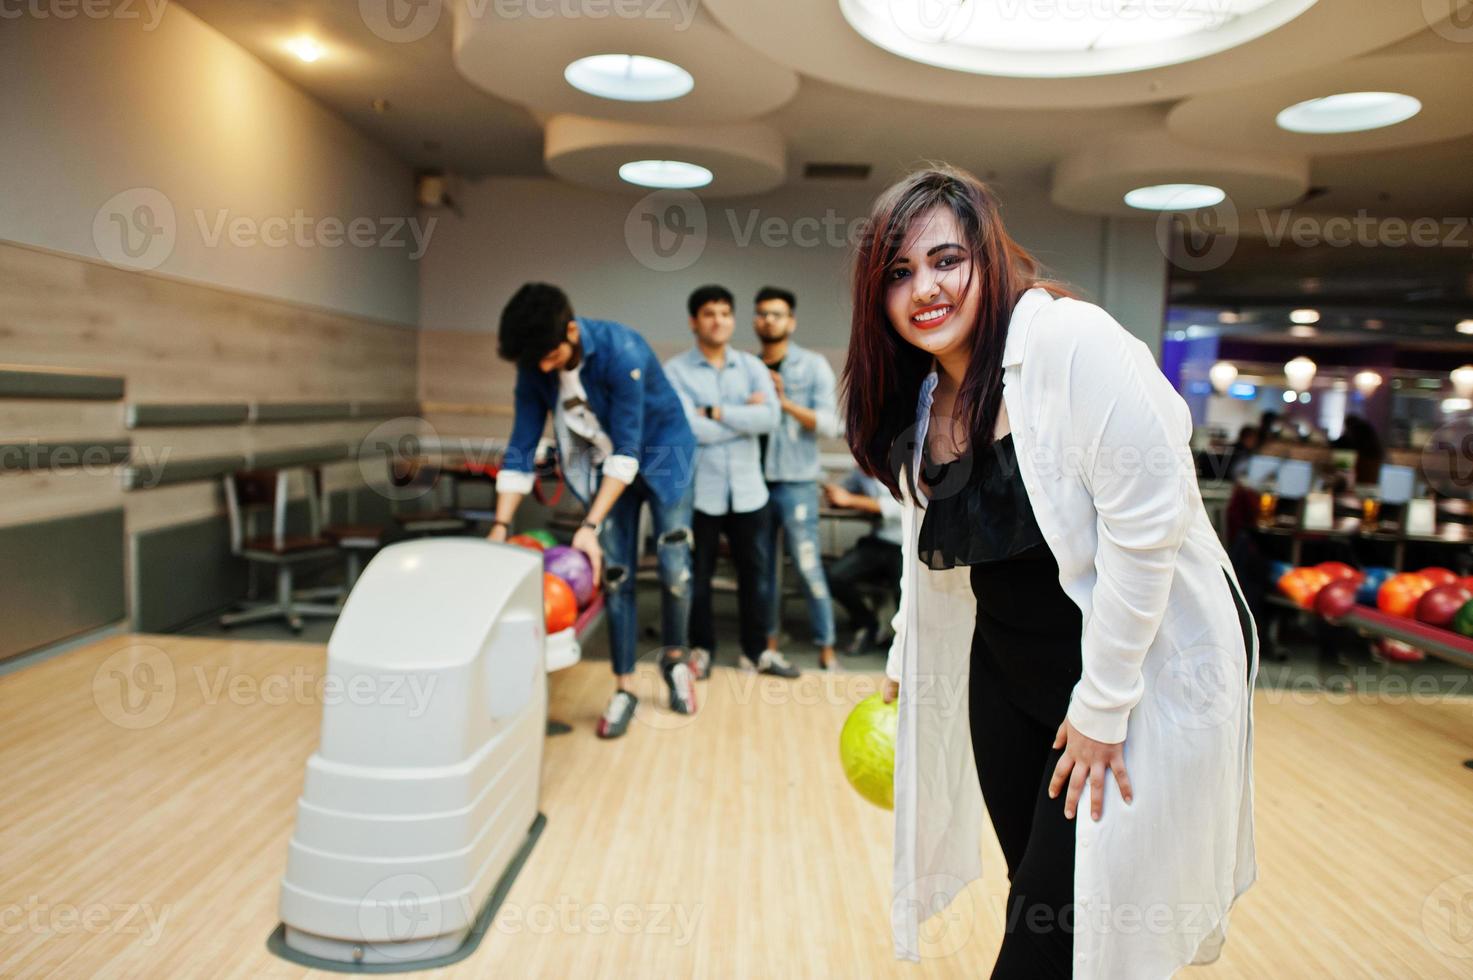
x: 709, y: 294
x: 533, y: 323
x: 772, y: 292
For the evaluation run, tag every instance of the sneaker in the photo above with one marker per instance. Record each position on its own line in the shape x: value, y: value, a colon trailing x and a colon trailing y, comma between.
x: 864, y: 640
x: 746, y: 663
x: 682, y: 683
x: 700, y: 662
x: 616, y: 716
x: 774, y: 663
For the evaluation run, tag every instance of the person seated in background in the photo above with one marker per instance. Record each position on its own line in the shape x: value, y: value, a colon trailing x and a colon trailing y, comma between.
x: 874, y: 559
x: 729, y: 401
x: 618, y: 422
x: 1360, y: 436
x: 1242, y: 451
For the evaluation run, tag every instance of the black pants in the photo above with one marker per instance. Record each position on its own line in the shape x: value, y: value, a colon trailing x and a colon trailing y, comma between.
x: 872, y: 561
x: 746, y: 535
x: 1014, y: 766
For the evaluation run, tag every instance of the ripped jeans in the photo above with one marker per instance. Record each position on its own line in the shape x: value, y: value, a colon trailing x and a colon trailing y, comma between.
x: 793, y: 506
x: 619, y: 537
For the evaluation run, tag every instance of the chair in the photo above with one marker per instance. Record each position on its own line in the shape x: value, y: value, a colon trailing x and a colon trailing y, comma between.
x: 250, y: 491
x: 408, y: 472
x: 354, y: 541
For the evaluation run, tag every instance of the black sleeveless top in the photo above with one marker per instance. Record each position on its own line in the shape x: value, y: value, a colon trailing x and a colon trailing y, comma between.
x: 1026, y: 640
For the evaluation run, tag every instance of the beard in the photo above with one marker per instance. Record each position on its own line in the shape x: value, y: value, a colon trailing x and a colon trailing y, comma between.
x: 575, y: 358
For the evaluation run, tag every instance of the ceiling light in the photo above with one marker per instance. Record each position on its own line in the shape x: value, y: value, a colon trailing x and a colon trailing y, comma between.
x: 1175, y: 197
x: 1349, y: 112
x: 665, y: 174
x: 1055, y: 40
x: 1300, y: 373
x: 629, y: 78
x: 305, y: 48
x: 1222, y: 376
x: 1465, y: 326
x: 1290, y: 396
x: 1450, y: 405
x: 1462, y: 379
x: 1305, y: 316
x: 1366, y: 382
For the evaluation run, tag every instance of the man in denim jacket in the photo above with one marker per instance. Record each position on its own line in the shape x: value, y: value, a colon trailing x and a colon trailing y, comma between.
x: 624, y: 442
x: 806, y: 393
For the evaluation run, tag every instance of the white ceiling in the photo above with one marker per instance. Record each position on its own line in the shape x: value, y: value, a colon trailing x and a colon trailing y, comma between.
x: 851, y: 112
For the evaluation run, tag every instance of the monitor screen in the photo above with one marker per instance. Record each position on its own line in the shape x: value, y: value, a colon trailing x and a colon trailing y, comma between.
x: 1261, y: 470
x: 1295, y: 479
x: 1396, y: 484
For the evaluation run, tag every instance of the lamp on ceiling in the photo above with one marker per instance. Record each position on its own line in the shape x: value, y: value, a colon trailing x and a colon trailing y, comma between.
x: 1462, y: 379
x: 1366, y: 382
x: 1300, y: 373
x: 1222, y: 376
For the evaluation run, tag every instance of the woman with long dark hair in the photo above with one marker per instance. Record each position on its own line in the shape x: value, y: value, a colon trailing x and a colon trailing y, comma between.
x: 1071, y: 638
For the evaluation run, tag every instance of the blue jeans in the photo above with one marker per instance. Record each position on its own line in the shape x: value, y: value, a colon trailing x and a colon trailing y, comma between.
x: 794, y: 508
x: 619, y: 538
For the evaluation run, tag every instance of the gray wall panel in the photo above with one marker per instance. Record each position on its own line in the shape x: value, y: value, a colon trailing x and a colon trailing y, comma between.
x: 59, y: 578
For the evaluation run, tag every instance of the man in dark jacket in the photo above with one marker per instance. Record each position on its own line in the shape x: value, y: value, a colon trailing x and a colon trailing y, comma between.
x: 624, y: 441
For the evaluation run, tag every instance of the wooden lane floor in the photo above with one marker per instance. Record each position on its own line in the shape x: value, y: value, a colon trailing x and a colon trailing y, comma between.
x: 150, y: 789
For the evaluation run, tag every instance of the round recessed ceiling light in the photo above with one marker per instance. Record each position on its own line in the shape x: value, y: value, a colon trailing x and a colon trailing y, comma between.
x: 629, y: 78
x: 1304, y: 316
x: 1056, y: 40
x: 1349, y: 112
x: 305, y: 48
x: 667, y: 174
x: 1465, y: 326
x: 1174, y: 197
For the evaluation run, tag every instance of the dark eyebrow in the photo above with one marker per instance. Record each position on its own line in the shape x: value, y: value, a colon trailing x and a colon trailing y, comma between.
x: 899, y: 259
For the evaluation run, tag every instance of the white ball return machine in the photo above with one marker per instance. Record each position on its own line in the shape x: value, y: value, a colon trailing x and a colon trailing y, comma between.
x: 421, y: 803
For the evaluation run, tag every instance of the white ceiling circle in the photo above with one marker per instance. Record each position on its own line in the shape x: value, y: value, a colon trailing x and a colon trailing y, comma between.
x: 814, y: 38
x: 1063, y: 38
x: 744, y: 158
x: 1095, y: 179
x: 1245, y: 116
x: 519, y: 50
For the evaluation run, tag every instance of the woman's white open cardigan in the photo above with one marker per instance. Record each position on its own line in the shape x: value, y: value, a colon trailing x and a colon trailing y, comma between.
x: 1102, y: 441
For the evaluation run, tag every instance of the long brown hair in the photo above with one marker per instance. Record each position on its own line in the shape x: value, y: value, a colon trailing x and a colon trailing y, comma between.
x: 883, y: 373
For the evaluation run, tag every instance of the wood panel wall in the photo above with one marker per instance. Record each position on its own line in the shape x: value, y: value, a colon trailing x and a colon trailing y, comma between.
x: 176, y: 341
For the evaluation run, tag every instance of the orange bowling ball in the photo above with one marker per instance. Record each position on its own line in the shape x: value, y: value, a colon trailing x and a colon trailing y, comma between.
x: 559, y: 605
x: 1398, y: 595
x: 1301, y: 585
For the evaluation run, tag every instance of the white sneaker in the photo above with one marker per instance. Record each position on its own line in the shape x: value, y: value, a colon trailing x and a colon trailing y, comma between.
x: 774, y: 663
x: 745, y: 663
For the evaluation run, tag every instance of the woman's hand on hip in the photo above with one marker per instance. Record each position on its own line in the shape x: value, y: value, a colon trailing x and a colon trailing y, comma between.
x: 1084, y: 758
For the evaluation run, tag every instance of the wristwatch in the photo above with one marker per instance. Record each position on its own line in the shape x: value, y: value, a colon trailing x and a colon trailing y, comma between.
x: 591, y: 525
x: 706, y: 411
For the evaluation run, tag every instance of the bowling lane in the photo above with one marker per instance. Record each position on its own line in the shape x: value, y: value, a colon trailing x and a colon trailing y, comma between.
x: 152, y: 783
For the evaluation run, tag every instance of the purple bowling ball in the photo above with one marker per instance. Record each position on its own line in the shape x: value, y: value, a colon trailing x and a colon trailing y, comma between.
x: 572, y: 566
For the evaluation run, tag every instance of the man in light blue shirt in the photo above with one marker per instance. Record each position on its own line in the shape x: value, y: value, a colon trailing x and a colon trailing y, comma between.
x: 729, y: 400
x: 806, y: 392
